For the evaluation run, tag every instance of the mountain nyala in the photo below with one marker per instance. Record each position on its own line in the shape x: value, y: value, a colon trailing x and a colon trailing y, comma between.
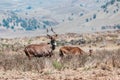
x: 42, y: 49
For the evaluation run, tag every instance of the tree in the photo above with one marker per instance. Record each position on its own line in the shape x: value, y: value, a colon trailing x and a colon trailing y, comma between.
x: 44, y: 26
x: 103, y: 27
x: 112, y: 1
x: 87, y: 20
x: 81, y: 14
x: 12, y: 27
x: 94, y: 16
x: 5, y: 23
x: 118, y: 26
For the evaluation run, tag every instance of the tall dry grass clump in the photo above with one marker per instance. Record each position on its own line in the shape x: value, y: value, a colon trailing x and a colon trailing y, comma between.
x: 22, y: 63
x: 103, y: 59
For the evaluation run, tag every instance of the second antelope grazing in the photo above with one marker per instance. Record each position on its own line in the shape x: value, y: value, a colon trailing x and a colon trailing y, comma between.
x: 43, y: 49
x: 66, y: 50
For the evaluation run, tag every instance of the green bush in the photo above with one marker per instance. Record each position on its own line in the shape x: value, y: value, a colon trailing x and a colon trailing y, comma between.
x: 57, y: 65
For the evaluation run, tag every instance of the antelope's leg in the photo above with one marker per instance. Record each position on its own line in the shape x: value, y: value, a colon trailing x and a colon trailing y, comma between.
x: 27, y: 54
x: 50, y: 53
x: 62, y: 52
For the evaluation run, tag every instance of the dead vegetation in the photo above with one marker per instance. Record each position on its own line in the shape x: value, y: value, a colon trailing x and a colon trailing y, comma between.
x: 101, y: 59
x: 103, y: 64
x: 104, y: 61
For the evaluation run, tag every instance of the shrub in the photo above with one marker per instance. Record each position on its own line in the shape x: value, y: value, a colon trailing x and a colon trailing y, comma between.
x: 87, y: 20
x: 94, y: 16
x: 57, y: 65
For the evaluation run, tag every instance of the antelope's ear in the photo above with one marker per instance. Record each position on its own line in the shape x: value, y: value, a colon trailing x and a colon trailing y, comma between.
x: 56, y: 35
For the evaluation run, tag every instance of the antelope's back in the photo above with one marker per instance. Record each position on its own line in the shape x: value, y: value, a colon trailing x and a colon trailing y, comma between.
x: 71, y: 49
x: 38, y: 48
x: 76, y: 50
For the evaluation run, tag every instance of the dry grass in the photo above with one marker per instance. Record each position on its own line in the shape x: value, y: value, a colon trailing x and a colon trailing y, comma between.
x: 101, y: 59
x: 103, y: 64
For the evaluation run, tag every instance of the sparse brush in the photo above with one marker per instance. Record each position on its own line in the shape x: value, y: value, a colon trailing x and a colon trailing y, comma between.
x: 101, y: 59
x: 30, y: 40
x: 104, y: 59
x: 74, y: 61
x: 20, y: 62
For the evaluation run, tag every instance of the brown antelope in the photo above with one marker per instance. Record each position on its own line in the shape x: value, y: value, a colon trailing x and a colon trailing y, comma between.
x: 43, y: 49
x: 70, y: 50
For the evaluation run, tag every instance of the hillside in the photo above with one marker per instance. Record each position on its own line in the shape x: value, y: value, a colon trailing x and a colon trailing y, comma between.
x: 77, y: 16
x: 97, y: 20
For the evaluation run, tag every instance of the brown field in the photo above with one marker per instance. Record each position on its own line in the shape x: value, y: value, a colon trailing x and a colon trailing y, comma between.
x: 103, y: 64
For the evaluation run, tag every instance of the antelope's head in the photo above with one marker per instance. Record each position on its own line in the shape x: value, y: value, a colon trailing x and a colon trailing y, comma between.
x: 52, y: 38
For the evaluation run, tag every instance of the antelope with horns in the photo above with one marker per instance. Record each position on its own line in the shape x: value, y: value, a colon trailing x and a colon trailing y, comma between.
x: 43, y: 49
